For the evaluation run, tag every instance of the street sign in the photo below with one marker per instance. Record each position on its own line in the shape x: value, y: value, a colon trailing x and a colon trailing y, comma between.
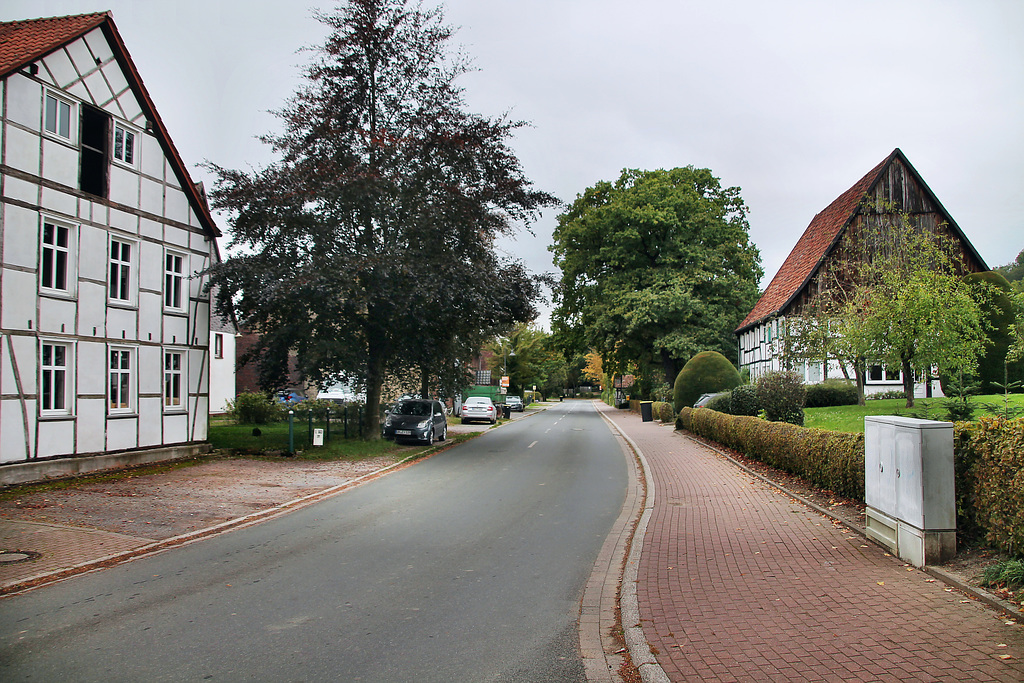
x: 504, y: 382
x: 318, y: 437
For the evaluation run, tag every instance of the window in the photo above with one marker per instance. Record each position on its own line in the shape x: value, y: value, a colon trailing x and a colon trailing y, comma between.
x: 173, y: 277
x: 124, y: 144
x: 119, y: 398
x: 57, y: 116
x: 172, y: 380
x: 120, y: 270
x: 92, y: 173
x: 56, y: 257
x: 218, y: 345
x: 53, y: 387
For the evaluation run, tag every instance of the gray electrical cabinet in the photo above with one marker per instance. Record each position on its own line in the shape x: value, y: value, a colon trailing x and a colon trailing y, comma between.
x: 908, y: 487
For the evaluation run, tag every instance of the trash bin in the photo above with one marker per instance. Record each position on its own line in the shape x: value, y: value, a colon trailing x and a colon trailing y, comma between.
x: 647, y: 411
x: 506, y: 411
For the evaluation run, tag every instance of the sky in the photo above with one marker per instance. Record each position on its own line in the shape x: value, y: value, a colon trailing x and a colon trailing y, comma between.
x: 792, y: 101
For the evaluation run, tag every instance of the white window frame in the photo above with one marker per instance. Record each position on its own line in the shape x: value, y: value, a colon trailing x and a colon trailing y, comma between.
x: 51, y: 252
x: 124, y: 272
x: 218, y: 344
x: 175, y: 380
x: 175, y: 279
x: 53, y: 374
x: 121, y: 380
x: 61, y: 104
x: 122, y: 134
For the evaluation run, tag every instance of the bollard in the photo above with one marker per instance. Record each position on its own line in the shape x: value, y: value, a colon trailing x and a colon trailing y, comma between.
x: 311, y: 426
x: 327, y: 433
x: 291, y: 431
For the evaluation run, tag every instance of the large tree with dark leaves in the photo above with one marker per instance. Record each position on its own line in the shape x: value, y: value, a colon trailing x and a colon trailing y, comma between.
x: 367, y: 248
x: 656, y: 268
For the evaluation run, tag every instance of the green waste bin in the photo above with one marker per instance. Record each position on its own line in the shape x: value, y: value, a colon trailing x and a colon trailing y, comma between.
x: 647, y: 411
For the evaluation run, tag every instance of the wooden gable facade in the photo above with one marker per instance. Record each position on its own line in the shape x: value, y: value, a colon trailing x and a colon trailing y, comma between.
x: 834, y: 238
x: 104, y: 316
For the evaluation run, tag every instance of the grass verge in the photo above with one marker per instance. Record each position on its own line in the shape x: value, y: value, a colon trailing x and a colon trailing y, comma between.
x: 851, y: 418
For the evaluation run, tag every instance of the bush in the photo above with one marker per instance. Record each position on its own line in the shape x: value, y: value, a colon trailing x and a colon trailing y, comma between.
x: 887, y: 394
x: 781, y: 395
x: 831, y: 392
x: 254, y: 408
x: 744, y: 401
x: 707, y: 372
x: 991, y: 466
x: 662, y: 393
x: 663, y: 411
x: 830, y: 460
x: 720, y: 402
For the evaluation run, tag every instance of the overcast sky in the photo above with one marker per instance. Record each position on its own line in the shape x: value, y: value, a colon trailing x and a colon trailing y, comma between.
x: 792, y: 100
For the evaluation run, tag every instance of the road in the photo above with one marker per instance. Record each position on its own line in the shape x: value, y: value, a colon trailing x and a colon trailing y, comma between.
x: 468, y: 566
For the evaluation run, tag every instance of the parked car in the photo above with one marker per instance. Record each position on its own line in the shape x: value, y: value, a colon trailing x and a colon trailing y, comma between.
x: 704, y: 398
x: 479, y: 408
x: 514, y: 403
x: 416, y: 419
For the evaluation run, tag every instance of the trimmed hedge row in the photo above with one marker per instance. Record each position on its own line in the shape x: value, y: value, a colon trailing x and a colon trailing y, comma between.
x: 988, y: 460
x: 831, y: 460
x: 663, y: 411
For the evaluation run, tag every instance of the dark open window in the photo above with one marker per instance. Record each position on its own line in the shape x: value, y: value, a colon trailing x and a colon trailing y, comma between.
x: 95, y: 141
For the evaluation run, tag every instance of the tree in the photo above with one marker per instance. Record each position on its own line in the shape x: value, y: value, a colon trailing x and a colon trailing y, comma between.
x: 655, y: 268
x: 1013, y: 272
x: 912, y: 308
x: 367, y: 247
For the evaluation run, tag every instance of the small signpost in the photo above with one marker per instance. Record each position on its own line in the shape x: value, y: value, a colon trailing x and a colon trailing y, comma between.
x: 318, y: 437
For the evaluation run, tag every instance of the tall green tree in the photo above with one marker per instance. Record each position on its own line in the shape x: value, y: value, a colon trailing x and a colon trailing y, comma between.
x: 384, y: 201
x: 656, y: 267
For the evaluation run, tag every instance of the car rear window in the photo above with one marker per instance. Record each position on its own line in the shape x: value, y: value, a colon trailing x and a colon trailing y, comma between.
x: 412, y: 408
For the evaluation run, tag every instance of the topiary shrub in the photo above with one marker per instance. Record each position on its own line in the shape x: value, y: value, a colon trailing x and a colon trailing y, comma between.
x: 744, y: 401
x: 782, y: 394
x: 254, y: 408
x: 663, y: 411
x: 831, y: 392
x: 707, y: 372
x: 720, y: 402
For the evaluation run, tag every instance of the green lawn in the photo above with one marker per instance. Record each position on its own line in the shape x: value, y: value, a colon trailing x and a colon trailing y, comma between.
x: 851, y: 418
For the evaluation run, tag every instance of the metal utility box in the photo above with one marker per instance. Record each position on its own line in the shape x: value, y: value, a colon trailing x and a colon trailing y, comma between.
x: 908, y: 487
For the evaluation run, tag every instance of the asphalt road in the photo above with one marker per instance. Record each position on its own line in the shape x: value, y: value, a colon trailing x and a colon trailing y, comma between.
x: 469, y: 566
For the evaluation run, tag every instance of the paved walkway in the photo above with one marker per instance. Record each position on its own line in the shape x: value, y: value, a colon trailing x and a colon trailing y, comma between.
x: 739, y: 582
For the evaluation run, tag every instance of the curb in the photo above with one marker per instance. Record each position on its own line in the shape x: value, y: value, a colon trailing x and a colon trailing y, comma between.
x: 639, y: 650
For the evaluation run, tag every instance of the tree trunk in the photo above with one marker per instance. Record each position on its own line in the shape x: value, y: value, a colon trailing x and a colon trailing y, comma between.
x: 908, y: 382
x: 669, y: 367
x: 374, y: 382
x: 858, y: 370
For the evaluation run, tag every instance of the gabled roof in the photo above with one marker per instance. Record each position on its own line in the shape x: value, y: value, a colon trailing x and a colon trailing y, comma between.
x: 823, y: 234
x: 23, y: 42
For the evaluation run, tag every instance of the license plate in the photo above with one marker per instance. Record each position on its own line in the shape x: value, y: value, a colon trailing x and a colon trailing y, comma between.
x: 404, y: 432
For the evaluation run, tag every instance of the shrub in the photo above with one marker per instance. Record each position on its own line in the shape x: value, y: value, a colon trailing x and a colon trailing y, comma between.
x: 781, y: 395
x: 662, y: 393
x: 720, y: 402
x: 663, y: 411
x: 831, y: 460
x: 993, y: 466
x: 887, y: 394
x: 744, y: 401
x: 254, y: 408
x: 707, y: 372
x: 831, y: 392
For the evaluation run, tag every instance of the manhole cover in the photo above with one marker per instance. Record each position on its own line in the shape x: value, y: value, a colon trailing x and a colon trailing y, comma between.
x: 15, y: 556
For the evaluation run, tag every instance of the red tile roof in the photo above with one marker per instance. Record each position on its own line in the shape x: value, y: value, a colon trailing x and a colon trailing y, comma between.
x: 812, y: 248
x: 23, y: 42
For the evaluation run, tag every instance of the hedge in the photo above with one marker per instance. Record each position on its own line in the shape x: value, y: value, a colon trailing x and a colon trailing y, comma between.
x: 988, y: 461
x: 831, y: 460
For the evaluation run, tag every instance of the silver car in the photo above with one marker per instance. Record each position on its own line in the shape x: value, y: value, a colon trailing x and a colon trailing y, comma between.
x: 514, y: 403
x: 479, y: 408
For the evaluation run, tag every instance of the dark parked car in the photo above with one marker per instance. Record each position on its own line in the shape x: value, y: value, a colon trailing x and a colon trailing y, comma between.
x: 479, y: 408
x: 514, y: 403
x: 416, y: 419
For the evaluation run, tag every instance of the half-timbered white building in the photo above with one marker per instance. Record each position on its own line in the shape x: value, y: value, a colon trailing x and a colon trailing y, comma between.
x: 105, y: 326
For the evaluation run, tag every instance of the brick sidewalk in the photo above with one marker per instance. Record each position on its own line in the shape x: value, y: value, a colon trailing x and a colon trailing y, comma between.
x: 739, y: 582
